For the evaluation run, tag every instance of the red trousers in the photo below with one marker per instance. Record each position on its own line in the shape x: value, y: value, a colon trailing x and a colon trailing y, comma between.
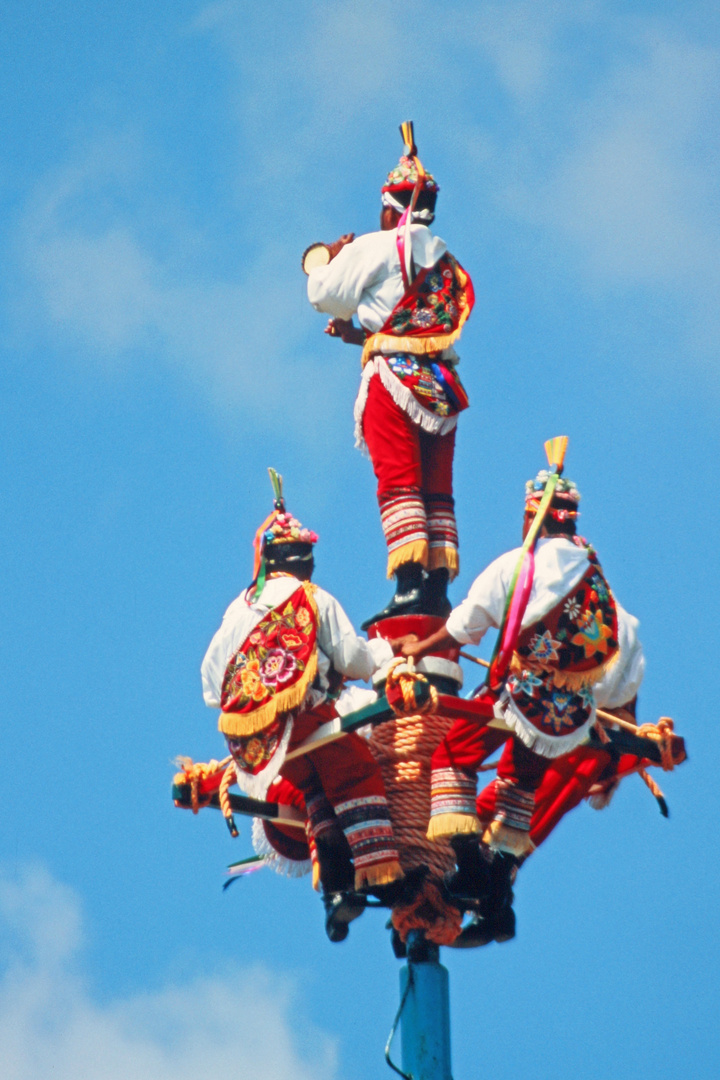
x: 414, y: 475
x: 343, y: 787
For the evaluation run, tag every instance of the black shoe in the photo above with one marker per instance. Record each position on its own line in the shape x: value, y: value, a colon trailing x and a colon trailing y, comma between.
x: 504, y: 924
x: 435, y: 598
x: 472, y: 881
x: 408, y: 598
x: 498, y: 911
x: 340, y: 910
x: 477, y: 932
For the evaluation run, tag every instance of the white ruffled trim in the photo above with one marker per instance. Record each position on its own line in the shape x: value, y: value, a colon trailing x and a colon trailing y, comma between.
x: 549, y: 746
x: 257, y: 786
x: 279, y: 863
x: 404, y: 398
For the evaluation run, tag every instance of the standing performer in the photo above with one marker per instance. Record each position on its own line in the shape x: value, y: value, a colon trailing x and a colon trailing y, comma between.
x: 412, y: 298
x: 284, y: 647
x: 567, y: 639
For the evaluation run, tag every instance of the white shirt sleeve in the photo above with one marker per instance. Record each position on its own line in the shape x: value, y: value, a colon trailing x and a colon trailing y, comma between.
x: 237, y: 623
x: 621, y: 682
x: 485, y: 603
x: 349, y: 654
x: 337, y: 288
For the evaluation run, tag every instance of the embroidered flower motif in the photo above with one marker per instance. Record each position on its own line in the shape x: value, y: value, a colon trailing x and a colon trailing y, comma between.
x: 572, y: 608
x: 256, y: 637
x: 525, y: 683
x: 593, y: 635
x: 435, y: 281
x: 544, y: 647
x: 278, y: 666
x: 253, y: 751
x: 302, y: 619
x: 558, y: 710
x: 251, y: 681
x: 586, y: 695
x: 600, y: 587
x: 423, y: 317
x: 291, y: 640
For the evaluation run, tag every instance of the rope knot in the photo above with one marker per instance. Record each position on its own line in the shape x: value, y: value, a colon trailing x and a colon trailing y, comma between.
x: 408, y: 692
x: 193, y: 773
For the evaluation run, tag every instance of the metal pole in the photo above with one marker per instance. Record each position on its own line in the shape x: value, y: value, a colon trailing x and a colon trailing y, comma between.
x: 425, y: 1020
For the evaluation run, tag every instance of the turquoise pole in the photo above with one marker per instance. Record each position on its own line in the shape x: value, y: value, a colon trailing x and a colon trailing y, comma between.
x: 425, y: 1019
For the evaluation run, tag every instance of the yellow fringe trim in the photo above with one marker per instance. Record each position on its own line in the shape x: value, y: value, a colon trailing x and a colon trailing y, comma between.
x: 316, y: 876
x: 448, y: 557
x: 443, y: 825
x: 241, y: 725
x: 500, y: 837
x: 569, y: 680
x: 381, y: 874
x: 415, y: 551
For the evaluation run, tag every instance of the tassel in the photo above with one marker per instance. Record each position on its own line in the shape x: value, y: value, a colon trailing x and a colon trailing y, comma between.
x: 381, y: 874
x: 442, y: 826
x: 555, y: 450
x: 408, y: 133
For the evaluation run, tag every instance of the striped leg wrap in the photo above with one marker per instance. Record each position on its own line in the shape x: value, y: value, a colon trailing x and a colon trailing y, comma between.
x: 514, y: 805
x: 404, y: 522
x: 321, y: 816
x: 452, y: 791
x: 366, y: 823
x: 442, y: 533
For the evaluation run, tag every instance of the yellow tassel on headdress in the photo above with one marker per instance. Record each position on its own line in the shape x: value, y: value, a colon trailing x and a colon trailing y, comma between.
x: 408, y: 133
x: 555, y: 450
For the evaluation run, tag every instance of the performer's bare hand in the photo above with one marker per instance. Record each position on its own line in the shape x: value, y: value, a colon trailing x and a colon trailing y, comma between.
x: 346, y: 330
x: 412, y: 646
x: 338, y: 245
x: 398, y: 643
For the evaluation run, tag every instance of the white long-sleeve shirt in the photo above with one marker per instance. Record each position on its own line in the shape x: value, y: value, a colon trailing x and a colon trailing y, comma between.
x: 365, y: 276
x: 559, y: 566
x: 621, y: 682
x: 338, y: 644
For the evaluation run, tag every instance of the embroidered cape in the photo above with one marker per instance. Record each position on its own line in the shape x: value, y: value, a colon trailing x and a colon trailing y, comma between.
x: 274, y: 667
x: 577, y: 640
x: 549, y: 701
x: 431, y: 314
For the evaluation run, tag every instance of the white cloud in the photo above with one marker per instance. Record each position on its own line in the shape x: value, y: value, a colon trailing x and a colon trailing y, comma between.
x: 50, y: 1025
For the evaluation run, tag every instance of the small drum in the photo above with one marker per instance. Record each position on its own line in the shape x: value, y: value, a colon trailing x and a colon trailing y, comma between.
x: 315, y: 255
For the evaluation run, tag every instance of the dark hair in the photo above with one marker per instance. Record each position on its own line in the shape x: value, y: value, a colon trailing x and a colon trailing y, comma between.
x: 425, y: 201
x: 288, y: 554
x: 567, y: 527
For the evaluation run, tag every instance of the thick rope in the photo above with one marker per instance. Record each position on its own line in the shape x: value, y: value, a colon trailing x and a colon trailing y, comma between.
x: 229, y: 778
x: 401, y: 684
x: 193, y: 772
x: 403, y: 749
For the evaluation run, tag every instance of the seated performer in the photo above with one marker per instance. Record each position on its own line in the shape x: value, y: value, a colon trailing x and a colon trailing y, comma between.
x: 588, y: 772
x: 272, y: 668
x: 568, y: 641
x: 412, y: 299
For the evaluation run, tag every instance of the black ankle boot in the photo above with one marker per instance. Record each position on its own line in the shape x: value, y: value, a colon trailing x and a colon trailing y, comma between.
x: 340, y: 910
x: 435, y: 598
x: 471, y: 881
x: 499, y: 912
x: 408, y: 598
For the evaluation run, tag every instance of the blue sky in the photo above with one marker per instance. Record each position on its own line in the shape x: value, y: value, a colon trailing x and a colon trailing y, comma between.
x: 164, y: 166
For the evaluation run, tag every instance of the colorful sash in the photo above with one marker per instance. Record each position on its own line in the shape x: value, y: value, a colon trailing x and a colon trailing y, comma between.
x: 435, y: 386
x: 431, y: 314
x: 274, y: 667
